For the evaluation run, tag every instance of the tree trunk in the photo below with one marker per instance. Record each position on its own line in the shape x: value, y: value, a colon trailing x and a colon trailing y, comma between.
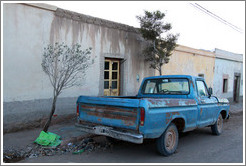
x: 47, y: 124
x: 160, y: 71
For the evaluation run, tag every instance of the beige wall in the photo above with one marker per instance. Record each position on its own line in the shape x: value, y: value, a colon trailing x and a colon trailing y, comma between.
x: 190, y: 61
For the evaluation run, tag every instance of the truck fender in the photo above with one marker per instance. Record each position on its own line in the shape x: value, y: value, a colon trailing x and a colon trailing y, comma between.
x: 224, y: 114
x: 178, y: 120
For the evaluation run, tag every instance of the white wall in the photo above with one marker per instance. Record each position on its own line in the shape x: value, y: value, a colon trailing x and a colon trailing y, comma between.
x: 25, y: 32
x: 28, y: 29
x: 227, y: 63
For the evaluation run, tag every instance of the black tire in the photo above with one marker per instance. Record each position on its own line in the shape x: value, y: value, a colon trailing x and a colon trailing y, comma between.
x: 228, y: 117
x: 218, y: 126
x: 167, y: 143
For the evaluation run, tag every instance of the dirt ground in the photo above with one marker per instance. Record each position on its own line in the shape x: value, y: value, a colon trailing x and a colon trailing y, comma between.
x: 198, y: 146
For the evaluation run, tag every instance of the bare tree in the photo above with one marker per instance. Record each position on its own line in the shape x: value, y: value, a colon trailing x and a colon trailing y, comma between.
x: 65, y: 66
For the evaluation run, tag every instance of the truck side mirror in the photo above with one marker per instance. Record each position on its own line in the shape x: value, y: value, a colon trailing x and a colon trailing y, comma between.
x: 210, y: 91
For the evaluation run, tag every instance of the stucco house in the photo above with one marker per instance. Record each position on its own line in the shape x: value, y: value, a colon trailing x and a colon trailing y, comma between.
x: 191, y: 61
x: 228, y: 75
x: 28, y: 28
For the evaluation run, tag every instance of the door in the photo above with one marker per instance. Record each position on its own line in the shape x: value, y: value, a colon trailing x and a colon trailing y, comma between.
x: 207, y: 106
x: 111, y: 77
x: 236, y: 87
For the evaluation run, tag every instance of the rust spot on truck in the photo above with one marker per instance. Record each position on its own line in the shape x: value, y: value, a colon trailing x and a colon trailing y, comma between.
x: 128, y: 116
x: 109, y: 109
x: 112, y: 116
x: 172, y: 102
x: 169, y: 116
x: 190, y: 102
x: 153, y: 102
x: 129, y: 123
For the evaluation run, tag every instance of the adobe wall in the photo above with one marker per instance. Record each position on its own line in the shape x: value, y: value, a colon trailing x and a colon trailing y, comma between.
x: 27, y: 29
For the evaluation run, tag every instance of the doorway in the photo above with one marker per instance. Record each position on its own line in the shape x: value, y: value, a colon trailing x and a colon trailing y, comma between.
x: 111, y: 77
x: 236, y: 87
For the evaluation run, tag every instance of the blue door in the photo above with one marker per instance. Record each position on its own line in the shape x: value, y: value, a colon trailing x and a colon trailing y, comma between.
x: 207, y: 106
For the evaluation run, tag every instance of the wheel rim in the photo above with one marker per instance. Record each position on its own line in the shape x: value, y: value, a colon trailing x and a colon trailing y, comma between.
x: 170, y: 139
x: 219, y: 124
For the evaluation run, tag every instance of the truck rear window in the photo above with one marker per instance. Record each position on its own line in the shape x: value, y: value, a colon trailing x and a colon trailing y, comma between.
x: 175, y: 86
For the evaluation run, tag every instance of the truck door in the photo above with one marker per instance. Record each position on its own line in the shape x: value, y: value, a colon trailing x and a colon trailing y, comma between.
x: 207, y: 106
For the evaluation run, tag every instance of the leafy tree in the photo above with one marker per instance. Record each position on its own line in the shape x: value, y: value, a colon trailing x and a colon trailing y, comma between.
x: 158, y: 49
x: 64, y: 65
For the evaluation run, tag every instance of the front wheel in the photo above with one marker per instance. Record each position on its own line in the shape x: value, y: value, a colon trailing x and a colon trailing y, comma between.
x: 167, y: 143
x: 217, y: 127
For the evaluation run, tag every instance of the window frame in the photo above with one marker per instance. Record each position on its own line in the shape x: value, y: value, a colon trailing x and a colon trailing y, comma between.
x: 145, y: 83
x: 225, y: 87
x: 206, y: 88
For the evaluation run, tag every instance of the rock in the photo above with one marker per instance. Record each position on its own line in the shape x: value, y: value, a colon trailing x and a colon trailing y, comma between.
x: 33, y: 155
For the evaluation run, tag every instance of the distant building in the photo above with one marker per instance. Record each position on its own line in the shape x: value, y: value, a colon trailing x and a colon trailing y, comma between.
x: 228, y: 75
x: 222, y: 70
x: 190, y: 61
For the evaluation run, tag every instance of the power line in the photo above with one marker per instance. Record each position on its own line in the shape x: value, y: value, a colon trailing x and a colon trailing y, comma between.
x: 217, y: 17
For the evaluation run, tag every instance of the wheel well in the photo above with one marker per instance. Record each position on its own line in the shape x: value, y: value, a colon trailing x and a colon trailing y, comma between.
x: 223, y: 113
x: 180, y: 123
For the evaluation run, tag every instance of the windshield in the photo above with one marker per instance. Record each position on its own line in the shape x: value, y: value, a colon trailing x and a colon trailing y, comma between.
x: 176, y: 86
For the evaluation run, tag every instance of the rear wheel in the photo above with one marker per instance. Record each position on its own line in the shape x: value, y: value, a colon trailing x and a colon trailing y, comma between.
x: 217, y: 127
x: 167, y: 143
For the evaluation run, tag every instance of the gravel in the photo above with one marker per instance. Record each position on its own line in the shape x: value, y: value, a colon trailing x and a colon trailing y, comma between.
x: 33, y: 150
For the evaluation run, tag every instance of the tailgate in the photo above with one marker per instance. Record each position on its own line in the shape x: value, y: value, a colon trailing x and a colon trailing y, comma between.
x: 115, y: 112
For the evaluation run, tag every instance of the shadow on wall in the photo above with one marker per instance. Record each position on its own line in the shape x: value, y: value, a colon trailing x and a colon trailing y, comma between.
x: 34, y: 113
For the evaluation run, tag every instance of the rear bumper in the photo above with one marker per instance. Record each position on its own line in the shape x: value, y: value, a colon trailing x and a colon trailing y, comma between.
x: 109, y: 131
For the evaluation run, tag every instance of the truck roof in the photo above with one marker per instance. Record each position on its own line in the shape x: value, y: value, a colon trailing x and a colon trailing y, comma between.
x: 173, y: 76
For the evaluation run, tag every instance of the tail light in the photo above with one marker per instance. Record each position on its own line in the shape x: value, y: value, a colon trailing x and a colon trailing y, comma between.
x: 142, y: 116
x: 77, y: 109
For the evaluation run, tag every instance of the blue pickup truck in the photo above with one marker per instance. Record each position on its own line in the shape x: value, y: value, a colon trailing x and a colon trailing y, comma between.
x: 164, y: 106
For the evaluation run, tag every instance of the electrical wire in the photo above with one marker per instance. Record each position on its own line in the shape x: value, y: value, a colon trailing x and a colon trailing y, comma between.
x: 217, y: 17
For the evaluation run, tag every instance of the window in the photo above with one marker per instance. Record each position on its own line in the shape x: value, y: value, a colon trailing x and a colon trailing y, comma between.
x: 225, y: 85
x: 201, y: 88
x: 150, y: 87
x: 175, y: 86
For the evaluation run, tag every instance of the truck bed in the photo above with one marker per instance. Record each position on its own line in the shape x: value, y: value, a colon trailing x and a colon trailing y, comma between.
x: 115, y: 112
